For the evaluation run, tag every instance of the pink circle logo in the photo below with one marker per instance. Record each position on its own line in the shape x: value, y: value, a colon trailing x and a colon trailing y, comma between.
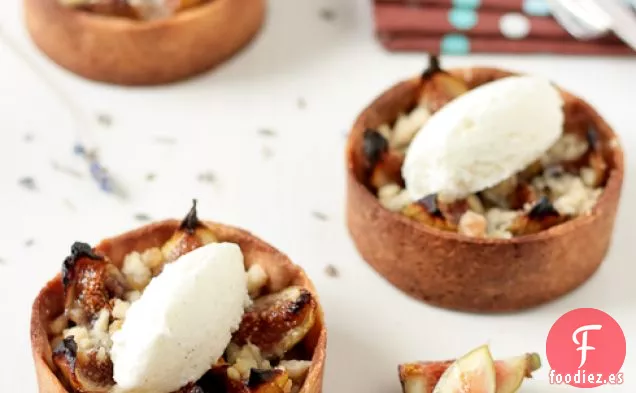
x: 585, y: 349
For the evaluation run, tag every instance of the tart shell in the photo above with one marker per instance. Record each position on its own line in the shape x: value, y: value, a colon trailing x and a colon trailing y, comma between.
x: 453, y: 271
x: 281, y: 271
x: 131, y: 52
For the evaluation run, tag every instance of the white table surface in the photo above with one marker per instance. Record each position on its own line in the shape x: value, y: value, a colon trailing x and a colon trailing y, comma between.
x: 271, y: 185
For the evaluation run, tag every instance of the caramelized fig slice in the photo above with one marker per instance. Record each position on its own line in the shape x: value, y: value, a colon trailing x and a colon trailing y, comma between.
x: 384, y: 165
x: 453, y: 210
x: 422, y: 377
x: 90, y: 281
x: 439, y: 87
x: 191, y: 234
x: 522, y: 195
x: 428, y: 212
x: 268, y: 381
x: 542, y: 216
x: 216, y: 380
x: 275, y: 323
x: 85, y: 372
x: 104, y: 7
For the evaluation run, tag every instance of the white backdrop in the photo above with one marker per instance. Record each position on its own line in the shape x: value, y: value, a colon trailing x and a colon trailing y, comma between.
x: 305, y: 78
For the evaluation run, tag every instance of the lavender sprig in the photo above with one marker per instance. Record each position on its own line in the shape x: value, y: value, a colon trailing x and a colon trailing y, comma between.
x: 98, y: 171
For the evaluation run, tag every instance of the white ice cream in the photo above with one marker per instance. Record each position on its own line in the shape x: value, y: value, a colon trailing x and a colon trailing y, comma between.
x: 483, y: 137
x: 183, y: 321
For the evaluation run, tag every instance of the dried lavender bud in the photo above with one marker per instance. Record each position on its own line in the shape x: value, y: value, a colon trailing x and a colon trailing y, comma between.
x: 142, y: 217
x: 79, y: 149
x: 320, y: 216
x: 78, y: 250
x: 430, y: 204
x: 374, y: 146
x: 28, y: 183
x: 433, y: 66
x: 191, y: 221
x: 328, y: 14
x: 267, y: 132
x: 332, y: 271
x: 543, y: 208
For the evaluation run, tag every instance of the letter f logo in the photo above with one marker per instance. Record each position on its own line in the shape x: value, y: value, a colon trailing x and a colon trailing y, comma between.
x: 583, y: 344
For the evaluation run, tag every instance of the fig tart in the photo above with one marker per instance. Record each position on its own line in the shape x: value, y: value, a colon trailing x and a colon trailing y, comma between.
x: 141, y: 42
x: 524, y: 241
x: 278, y: 347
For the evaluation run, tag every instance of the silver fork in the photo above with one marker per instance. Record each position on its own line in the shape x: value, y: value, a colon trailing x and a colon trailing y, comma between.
x: 589, y: 19
x: 583, y: 19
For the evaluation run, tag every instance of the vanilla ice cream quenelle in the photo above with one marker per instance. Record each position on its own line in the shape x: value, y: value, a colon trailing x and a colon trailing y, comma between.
x: 483, y: 137
x: 183, y: 321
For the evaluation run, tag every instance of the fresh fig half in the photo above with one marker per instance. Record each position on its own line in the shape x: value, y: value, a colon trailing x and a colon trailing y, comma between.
x: 473, y: 372
x: 511, y: 372
x: 422, y: 377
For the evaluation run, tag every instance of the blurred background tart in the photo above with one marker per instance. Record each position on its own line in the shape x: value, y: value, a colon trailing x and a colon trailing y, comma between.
x: 142, y: 42
x: 530, y: 238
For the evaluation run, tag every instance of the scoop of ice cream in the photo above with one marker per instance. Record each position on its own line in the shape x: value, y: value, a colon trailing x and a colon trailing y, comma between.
x: 483, y: 137
x: 183, y: 321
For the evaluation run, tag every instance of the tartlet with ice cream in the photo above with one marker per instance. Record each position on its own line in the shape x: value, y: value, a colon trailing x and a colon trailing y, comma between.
x: 141, y: 42
x: 481, y: 190
x: 179, y: 307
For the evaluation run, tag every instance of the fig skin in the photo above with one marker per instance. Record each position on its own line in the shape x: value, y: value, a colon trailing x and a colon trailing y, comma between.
x: 191, y: 235
x: 90, y: 280
x: 439, y: 87
x: 422, y: 377
x: 83, y: 371
x: 275, y: 323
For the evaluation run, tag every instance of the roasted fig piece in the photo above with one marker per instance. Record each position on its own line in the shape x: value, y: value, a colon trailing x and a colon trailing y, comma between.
x: 513, y: 193
x: 90, y: 281
x: 384, y: 165
x: 422, y: 377
x: 542, y: 216
x: 522, y: 195
x: 86, y: 372
x: 216, y: 381
x: 192, y: 234
x: 439, y: 87
x: 268, y: 381
x: 453, y: 210
x: 275, y: 323
x: 427, y: 211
